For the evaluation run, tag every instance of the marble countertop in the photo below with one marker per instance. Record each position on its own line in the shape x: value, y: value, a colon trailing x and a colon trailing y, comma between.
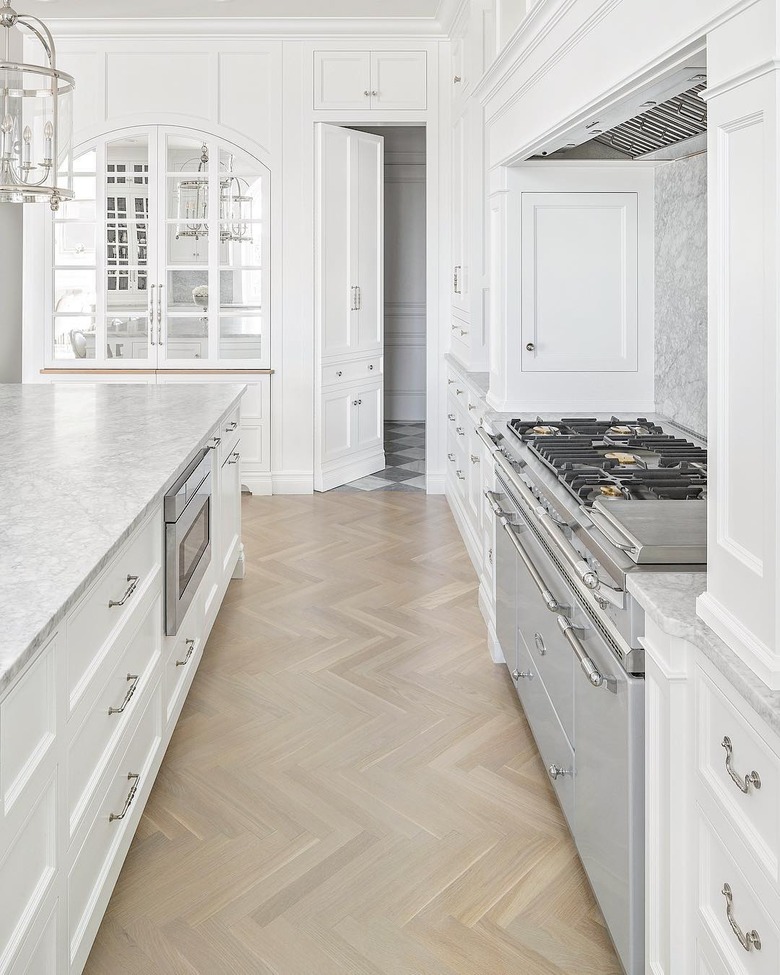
x: 81, y: 465
x: 669, y: 599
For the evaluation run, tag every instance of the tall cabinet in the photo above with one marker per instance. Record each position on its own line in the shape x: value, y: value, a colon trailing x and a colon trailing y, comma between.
x: 350, y: 330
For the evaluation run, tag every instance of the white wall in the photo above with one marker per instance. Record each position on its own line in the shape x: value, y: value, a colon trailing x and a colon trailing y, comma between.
x: 405, y: 280
x: 11, y: 256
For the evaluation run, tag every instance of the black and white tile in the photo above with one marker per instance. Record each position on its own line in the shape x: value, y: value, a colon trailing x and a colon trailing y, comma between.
x: 405, y: 460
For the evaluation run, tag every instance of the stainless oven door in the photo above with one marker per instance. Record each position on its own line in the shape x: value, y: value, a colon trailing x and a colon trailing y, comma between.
x: 188, y: 544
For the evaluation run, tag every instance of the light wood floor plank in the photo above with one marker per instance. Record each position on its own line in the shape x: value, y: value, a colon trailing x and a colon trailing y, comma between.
x: 352, y: 788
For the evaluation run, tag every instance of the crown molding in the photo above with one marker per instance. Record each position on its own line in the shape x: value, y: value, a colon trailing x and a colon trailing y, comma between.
x: 299, y: 28
x: 447, y: 14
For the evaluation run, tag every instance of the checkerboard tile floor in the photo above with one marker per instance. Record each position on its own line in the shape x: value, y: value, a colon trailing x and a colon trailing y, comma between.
x: 405, y: 459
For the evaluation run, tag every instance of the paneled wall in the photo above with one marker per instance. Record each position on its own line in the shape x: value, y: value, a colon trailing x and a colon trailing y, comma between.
x: 405, y: 285
x: 681, y: 291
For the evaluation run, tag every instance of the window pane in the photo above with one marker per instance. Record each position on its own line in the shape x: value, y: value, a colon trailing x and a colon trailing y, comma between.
x: 74, y: 291
x: 243, y: 252
x: 187, y: 338
x: 74, y: 243
x: 241, y: 289
x: 240, y: 337
x: 127, y: 336
x: 187, y: 291
x: 74, y: 338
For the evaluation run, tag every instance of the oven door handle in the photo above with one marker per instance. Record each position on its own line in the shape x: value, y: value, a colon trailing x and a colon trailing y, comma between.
x: 586, y: 575
x: 487, y: 440
x: 591, y: 670
x: 549, y: 599
x: 495, y: 505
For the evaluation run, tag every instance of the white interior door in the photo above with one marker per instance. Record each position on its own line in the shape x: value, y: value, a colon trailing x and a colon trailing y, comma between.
x: 350, y: 290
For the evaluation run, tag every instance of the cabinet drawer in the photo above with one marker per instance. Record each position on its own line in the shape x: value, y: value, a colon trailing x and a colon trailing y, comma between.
x: 183, y: 659
x: 356, y: 370
x: 554, y: 746
x: 40, y: 953
x: 92, y: 867
x: 751, y: 798
x: 27, y: 870
x: 105, y: 609
x: 95, y: 740
x: 725, y: 892
x: 229, y: 432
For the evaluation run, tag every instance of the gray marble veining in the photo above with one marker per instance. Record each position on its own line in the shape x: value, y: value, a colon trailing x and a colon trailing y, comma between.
x: 81, y: 465
x: 681, y: 291
x: 669, y: 598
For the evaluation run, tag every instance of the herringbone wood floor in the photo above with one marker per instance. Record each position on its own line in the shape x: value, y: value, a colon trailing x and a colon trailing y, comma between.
x: 352, y: 788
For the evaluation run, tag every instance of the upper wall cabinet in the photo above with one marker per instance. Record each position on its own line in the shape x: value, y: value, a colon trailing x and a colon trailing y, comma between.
x: 370, y: 80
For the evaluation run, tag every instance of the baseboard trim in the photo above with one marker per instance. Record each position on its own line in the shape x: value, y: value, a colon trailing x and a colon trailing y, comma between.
x: 435, y: 483
x: 336, y: 474
x: 293, y: 482
x: 751, y: 651
x: 260, y: 484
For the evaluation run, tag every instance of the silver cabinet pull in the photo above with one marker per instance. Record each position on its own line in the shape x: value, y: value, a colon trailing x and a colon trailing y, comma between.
x: 458, y: 392
x: 530, y: 347
x: 457, y: 79
x: 451, y: 417
x: 151, y: 314
x: 743, y: 784
x: 464, y: 332
x: 556, y: 771
x: 460, y: 475
x: 367, y: 94
x: 359, y: 295
x: 231, y: 426
x: 131, y: 690
x: 474, y: 459
x: 370, y: 367
x: 190, y: 644
x: 215, y: 442
x: 451, y: 381
x: 375, y: 94
x: 159, y: 314
x: 234, y: 457
x: 451, y: 458
x: 339, y: 373
x: 131, y: 777
x: 748, y: 940
x: 589, y: 668
x: 522, y: 675
x: 540, y: 645
x: 133, y: 580
x: 546, y: 593
x: 472, y: 406
x: 455, y: 328
x: 495, y: 506
x: 460, y: 431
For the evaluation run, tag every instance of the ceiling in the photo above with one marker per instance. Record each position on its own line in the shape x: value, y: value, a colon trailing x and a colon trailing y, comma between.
x: 272, y: 9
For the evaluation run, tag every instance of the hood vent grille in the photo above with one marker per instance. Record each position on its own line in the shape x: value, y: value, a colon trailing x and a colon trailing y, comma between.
x: 680, y: 118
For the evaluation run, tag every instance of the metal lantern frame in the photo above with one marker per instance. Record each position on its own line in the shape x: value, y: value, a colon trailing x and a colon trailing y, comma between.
x: 21, y: 179
x: 235, y: 204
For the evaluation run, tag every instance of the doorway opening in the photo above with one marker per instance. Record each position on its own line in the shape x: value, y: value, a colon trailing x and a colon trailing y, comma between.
x: 401, y: 465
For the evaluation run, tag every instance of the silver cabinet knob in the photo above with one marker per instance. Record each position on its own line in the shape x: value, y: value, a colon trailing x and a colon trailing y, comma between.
x: 375, y: 93
x: 339, y: 373
x: 461, y: 431
x: 460, y: 475
x: 522, y: 675
x: 474, y: 459
x: 556, y: 771
x: 367, y: 94
x: 360, y: 402
x: 371, y: 367
x: 457, y: 79
x: 530, y: 347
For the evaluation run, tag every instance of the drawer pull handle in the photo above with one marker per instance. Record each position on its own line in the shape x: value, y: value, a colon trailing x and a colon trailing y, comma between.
x: 215, y: 442
x: 474, y: 459
x: 460, y: 431
x: 522, y: 674
x: 472, y: 406
x: 234, y: 458
x: 540, y: 645
x: 743, y: 784
x: 451, y: 417
x: 450, y: 381
x: 458, y: 392
x: 231, y: 426
x: 190, y: 648
x: 556, y: 771
x: 460, y: 475
x: 748, y: 940
x: 131, y: 777
x: 451, y: 458
x: 134, y: 678
x: 133, y: 580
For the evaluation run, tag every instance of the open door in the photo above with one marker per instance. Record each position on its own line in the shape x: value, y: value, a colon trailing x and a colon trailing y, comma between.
x: 349, y: 303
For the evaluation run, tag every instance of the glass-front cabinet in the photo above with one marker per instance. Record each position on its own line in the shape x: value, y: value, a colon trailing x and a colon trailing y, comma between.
x: 162, y: 259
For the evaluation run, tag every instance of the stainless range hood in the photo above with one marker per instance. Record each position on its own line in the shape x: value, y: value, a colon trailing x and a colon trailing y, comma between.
x: 648, y: 124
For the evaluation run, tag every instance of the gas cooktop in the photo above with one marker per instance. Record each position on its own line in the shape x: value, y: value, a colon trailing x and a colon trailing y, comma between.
x: 624, y: 459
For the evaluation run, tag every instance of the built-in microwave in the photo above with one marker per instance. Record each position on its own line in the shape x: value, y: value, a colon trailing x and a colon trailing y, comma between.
x: 188, y: 512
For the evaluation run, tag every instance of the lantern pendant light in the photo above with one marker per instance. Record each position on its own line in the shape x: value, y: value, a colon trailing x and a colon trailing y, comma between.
x: 36, y: 120
x: 235, y: 203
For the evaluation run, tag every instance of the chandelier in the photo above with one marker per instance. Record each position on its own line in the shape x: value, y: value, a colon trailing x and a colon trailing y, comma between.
x: 36, y: 122
x: 235, y: 204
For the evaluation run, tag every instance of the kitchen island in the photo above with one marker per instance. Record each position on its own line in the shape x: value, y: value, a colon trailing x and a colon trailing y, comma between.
x: 91, y: 686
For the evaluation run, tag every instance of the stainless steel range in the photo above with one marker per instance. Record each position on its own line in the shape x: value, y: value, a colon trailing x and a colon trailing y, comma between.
x: 581, y: 503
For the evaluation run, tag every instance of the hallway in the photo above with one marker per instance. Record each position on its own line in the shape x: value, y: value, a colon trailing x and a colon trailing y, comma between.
x: 352, y: 787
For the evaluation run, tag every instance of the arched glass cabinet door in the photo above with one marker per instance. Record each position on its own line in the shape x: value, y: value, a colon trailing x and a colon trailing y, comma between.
x: 162, y: 258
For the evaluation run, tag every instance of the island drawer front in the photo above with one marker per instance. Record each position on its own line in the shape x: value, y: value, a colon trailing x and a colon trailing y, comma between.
x: 91, y: 875
x: 183, y: 658
x: 353, y: 370
x: 725, y: 733
x: 94, y: 740
x: 229, y: 432
x: 40, y: 953
x: 753, y: 906
x: 103, y: 611
x: 28, y: 720
x: 27, y: 867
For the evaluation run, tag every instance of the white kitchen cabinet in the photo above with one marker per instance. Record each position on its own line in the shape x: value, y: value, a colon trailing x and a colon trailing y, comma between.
x: 373, y: 80
x: 162, y: 260
x: 743, y: 551
x: 230, y: 508
x: 370, y: 433
x: 352, y: 422
x: 461, y: 204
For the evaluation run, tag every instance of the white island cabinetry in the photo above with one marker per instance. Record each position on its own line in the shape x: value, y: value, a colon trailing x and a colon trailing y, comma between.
x: 85, y: 719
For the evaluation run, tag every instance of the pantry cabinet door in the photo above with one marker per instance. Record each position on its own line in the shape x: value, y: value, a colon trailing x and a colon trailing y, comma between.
x: 368, y: 233
x: 369, y: 418
x: 339, y: 415
x: 342, y: 80
x: 579, y: 282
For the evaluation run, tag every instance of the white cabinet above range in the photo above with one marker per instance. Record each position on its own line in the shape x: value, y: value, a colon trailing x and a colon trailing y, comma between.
x: 576, y: 273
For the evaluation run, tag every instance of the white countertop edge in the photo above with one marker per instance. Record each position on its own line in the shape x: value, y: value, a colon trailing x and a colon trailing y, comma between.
x: 14, y: 670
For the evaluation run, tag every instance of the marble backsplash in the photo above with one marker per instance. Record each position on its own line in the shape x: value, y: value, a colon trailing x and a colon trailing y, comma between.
x: 681, y: 292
